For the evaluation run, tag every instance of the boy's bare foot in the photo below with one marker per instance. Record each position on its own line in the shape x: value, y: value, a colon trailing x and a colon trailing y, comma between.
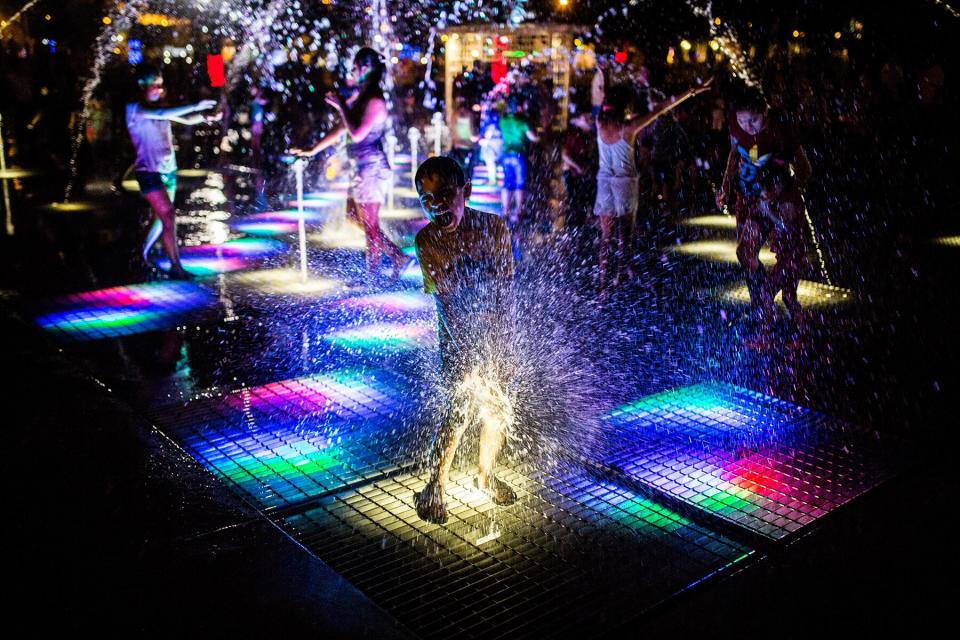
x: 498, y: 490
x: 430, y: 504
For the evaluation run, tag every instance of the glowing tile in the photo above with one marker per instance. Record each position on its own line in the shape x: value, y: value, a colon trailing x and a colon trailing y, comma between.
x: 712, y: 222
x: 391, y: 303
x: 272, y: 223
x: 283, y: 442
x: 120, y: 311
x: 757, y: 462
x: 345, y: 235
x: 71, y: 207
x: 320, y: 199
x: 719, y: 251
x: 288, y: 282
x: 947, y: 241
x: 810, y: 295
x: 234, y: 255
x: 192, y: 173
x: 15, y: 173
x: 384, y: 337
x: 535, y: 557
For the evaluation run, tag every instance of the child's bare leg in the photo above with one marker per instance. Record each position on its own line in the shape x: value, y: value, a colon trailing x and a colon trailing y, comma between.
x: 430, y: 503
x: 492, y: 435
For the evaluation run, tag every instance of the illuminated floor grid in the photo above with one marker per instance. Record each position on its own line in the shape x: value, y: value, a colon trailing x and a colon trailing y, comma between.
x: 756, y: 462
x: 285, y: 442
x: 327, y: 457
x: 557, y: 562
x: 126, y: 310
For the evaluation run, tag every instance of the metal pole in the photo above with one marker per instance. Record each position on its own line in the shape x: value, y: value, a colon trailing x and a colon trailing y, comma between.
x: 298, y: 168
x: 6, y: 188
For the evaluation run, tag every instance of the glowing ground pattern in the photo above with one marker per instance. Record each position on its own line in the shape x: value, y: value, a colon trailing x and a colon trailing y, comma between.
x: 275, y: 223
x: 122, y: 311
x: 385, y: 337
x: 513, y: 571
x: 810, y: 294
x: 234, y: 255
x: 756, y: 462
x: 712, y: 222
x: 723, y: 251
x: 285, y: 442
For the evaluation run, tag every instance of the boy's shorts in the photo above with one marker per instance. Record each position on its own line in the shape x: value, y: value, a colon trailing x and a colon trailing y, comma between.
x: 514, y: 172
x: 150, y: 181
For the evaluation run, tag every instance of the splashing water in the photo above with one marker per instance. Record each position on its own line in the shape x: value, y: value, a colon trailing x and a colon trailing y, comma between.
x: 727, y: 42
x: 16, y: 16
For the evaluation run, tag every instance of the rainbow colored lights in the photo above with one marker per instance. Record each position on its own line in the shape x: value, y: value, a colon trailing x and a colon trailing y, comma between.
x: 409, y: 301
x: 234, y: 255
x: 758, y: 462
x: 276, y: 223
x: 287, y: 441
x: 121, y: 311
x: 322, y: 199
x: 384, y: 337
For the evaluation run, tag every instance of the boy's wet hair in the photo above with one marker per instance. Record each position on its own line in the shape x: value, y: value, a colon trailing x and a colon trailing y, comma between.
x: 749, y: 99
x: 146, y: 73
x: 442, y: 166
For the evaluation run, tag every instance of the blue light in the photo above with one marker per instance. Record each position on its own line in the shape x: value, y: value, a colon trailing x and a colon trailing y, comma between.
x: 134, y: 51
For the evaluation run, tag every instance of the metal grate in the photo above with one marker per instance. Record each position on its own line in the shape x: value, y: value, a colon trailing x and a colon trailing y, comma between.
x: 127, y: 310
x: 571, y: 556
x: 756, y: 462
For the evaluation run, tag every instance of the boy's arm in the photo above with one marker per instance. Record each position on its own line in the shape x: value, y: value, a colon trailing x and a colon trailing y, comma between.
x: 173, y: 113
x: 801, y: 167
x: 328, y: 140
x: 732, y: 159
x: 635, y: 126
x: 429, y: 284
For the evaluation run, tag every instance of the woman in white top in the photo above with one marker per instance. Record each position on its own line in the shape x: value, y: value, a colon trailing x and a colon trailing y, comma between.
x: 617, y: 177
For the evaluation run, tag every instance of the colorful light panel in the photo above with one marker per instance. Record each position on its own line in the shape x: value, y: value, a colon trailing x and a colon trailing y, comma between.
x: 121, y: 311
x: 234, y: 255
x: 322, y: 198
x: 272, y: 223
x: 394, y: 302
x: 757, y: 462
x: 288, y: 441
x: 491, y: 570
x: 385, y: 337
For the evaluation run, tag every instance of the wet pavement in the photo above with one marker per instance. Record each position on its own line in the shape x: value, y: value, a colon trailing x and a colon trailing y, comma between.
x: 239, y: 453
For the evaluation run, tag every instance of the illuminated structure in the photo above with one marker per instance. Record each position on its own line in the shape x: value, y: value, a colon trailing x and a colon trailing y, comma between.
x: 546, y: 45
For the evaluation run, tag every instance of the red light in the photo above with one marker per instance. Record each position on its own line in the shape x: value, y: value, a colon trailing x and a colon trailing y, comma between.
x: 215, y: 70
x: 620, y: 56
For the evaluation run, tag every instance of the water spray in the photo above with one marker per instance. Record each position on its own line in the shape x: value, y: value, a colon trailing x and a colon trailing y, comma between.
x: 9, y: 21
x: 6, y: 189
